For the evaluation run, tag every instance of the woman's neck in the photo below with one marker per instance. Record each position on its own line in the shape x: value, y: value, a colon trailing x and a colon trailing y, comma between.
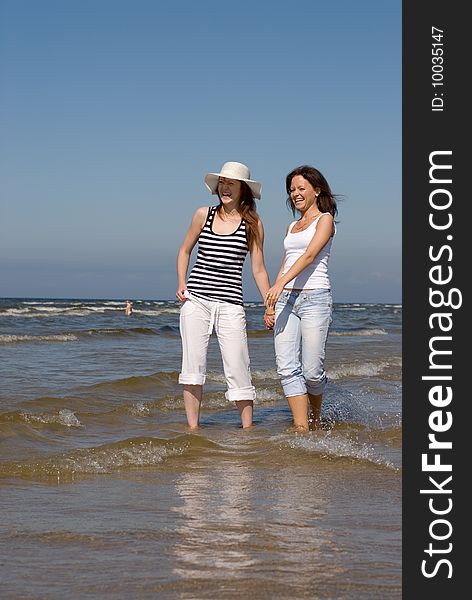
x: 311, y: 212
x: 230, y: 210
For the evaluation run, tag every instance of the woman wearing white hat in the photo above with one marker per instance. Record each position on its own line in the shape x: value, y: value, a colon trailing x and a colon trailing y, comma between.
x: 212, y: 295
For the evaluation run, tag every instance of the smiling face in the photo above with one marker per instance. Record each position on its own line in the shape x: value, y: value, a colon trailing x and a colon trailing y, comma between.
x: 302, y: 193
x: 229, y: 190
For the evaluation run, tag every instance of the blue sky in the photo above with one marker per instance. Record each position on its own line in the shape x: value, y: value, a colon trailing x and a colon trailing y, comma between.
x: 112, y: 112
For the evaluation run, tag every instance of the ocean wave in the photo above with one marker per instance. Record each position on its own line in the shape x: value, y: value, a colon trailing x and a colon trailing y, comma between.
x: 14, y: 312
x: 157, y: 311
x: 129, y: 454
x: 348, y: 305
x: 119, y: 331
x: 16, y: 339
x: 83, y: 310
x: 390, y: 436
x: 117, y: 303
x: 43, y: 312
x: 136, y: 382
x: 331, y: 446
x: 257, y: 375
x: 360, y: 332
x: 139, y: 409
x: 365, y: 369
x: 172, y: 329
x: 266, y: 395
x: 64, y: 417
x: 87, y: 333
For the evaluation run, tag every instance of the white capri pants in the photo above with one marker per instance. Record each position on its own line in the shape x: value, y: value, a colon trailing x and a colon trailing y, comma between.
x: 198, y: 316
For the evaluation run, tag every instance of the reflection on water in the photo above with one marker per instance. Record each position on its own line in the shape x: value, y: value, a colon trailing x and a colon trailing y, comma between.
x: 217, y: 526
x: 230, y: 520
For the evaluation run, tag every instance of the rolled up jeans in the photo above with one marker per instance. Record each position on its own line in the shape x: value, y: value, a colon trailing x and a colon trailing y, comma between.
x: 198, y: 316
x: 302, y: 320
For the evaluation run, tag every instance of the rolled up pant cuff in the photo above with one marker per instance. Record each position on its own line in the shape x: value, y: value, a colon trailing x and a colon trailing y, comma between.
x: 294, y: 386
x: 316, y: 390
x: 317, y: 387
x: 245, y: 393
x: 192, y: 378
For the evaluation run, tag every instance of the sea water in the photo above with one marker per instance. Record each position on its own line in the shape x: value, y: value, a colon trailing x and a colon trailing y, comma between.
x: 106, y: 494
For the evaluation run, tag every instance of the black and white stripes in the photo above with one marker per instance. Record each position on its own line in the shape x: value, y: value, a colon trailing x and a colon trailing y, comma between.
x: 217, y: 273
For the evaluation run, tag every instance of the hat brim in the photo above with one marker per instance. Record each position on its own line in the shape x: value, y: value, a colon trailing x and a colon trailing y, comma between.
x: 211, y: 182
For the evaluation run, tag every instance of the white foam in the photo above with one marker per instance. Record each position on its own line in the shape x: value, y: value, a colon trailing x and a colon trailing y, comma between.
x: 367, y: 369
x: 256, y: 375
x: 329, y: 445
x: 11, y: 339
x: 268, y: 374
x: 54, y: 309
x: 140, y: 408
x: 164, y: 311
x: 108, y: 459
x: 268, y: 395
x: 65, y: 417
x: 359, y: 332
x: 219, y: 377
x: 36, y: 313
x: 14, y: 312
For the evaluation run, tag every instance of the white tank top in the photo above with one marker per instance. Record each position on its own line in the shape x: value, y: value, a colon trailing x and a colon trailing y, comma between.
x: 315, y: 275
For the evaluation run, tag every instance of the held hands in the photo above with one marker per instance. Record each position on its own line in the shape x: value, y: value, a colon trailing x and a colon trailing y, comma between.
x: 269, y: 318
x: 270, y: 300
x: 273, y: 295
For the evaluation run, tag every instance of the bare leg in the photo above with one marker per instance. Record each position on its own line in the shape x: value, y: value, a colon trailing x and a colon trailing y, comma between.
x: 315, y: 406
x: 299, y: 407
x: 245, y: 408
x: 192, y: 400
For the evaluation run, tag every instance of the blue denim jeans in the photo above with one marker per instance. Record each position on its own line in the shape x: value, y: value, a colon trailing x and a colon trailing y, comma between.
x: 302, y: 320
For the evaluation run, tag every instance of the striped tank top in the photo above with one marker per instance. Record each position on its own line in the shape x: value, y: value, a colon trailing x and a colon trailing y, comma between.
x: 217, y: 272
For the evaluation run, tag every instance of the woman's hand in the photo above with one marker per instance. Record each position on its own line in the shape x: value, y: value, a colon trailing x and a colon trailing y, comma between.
x: 273, y: 295
x: 181, y: 294
x: 269, y: 318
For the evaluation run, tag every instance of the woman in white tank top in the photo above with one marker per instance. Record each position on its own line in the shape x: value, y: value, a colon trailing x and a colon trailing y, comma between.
x: 300, y: 301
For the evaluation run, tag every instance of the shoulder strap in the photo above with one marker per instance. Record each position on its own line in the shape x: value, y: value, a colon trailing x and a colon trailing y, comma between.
x: 211, y: 215
x: 319, y: 217
x: 334, y: 224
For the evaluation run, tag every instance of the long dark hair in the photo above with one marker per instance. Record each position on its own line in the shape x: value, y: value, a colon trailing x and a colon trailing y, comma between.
x: 326, y: 201
x: 247, y: 209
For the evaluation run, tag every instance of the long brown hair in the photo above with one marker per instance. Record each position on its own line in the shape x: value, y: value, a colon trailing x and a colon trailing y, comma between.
x: 248, y: 212
x: 326, y: 200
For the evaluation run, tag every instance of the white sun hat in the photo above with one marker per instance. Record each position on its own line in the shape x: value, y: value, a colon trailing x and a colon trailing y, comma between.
x: 233, y: 170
